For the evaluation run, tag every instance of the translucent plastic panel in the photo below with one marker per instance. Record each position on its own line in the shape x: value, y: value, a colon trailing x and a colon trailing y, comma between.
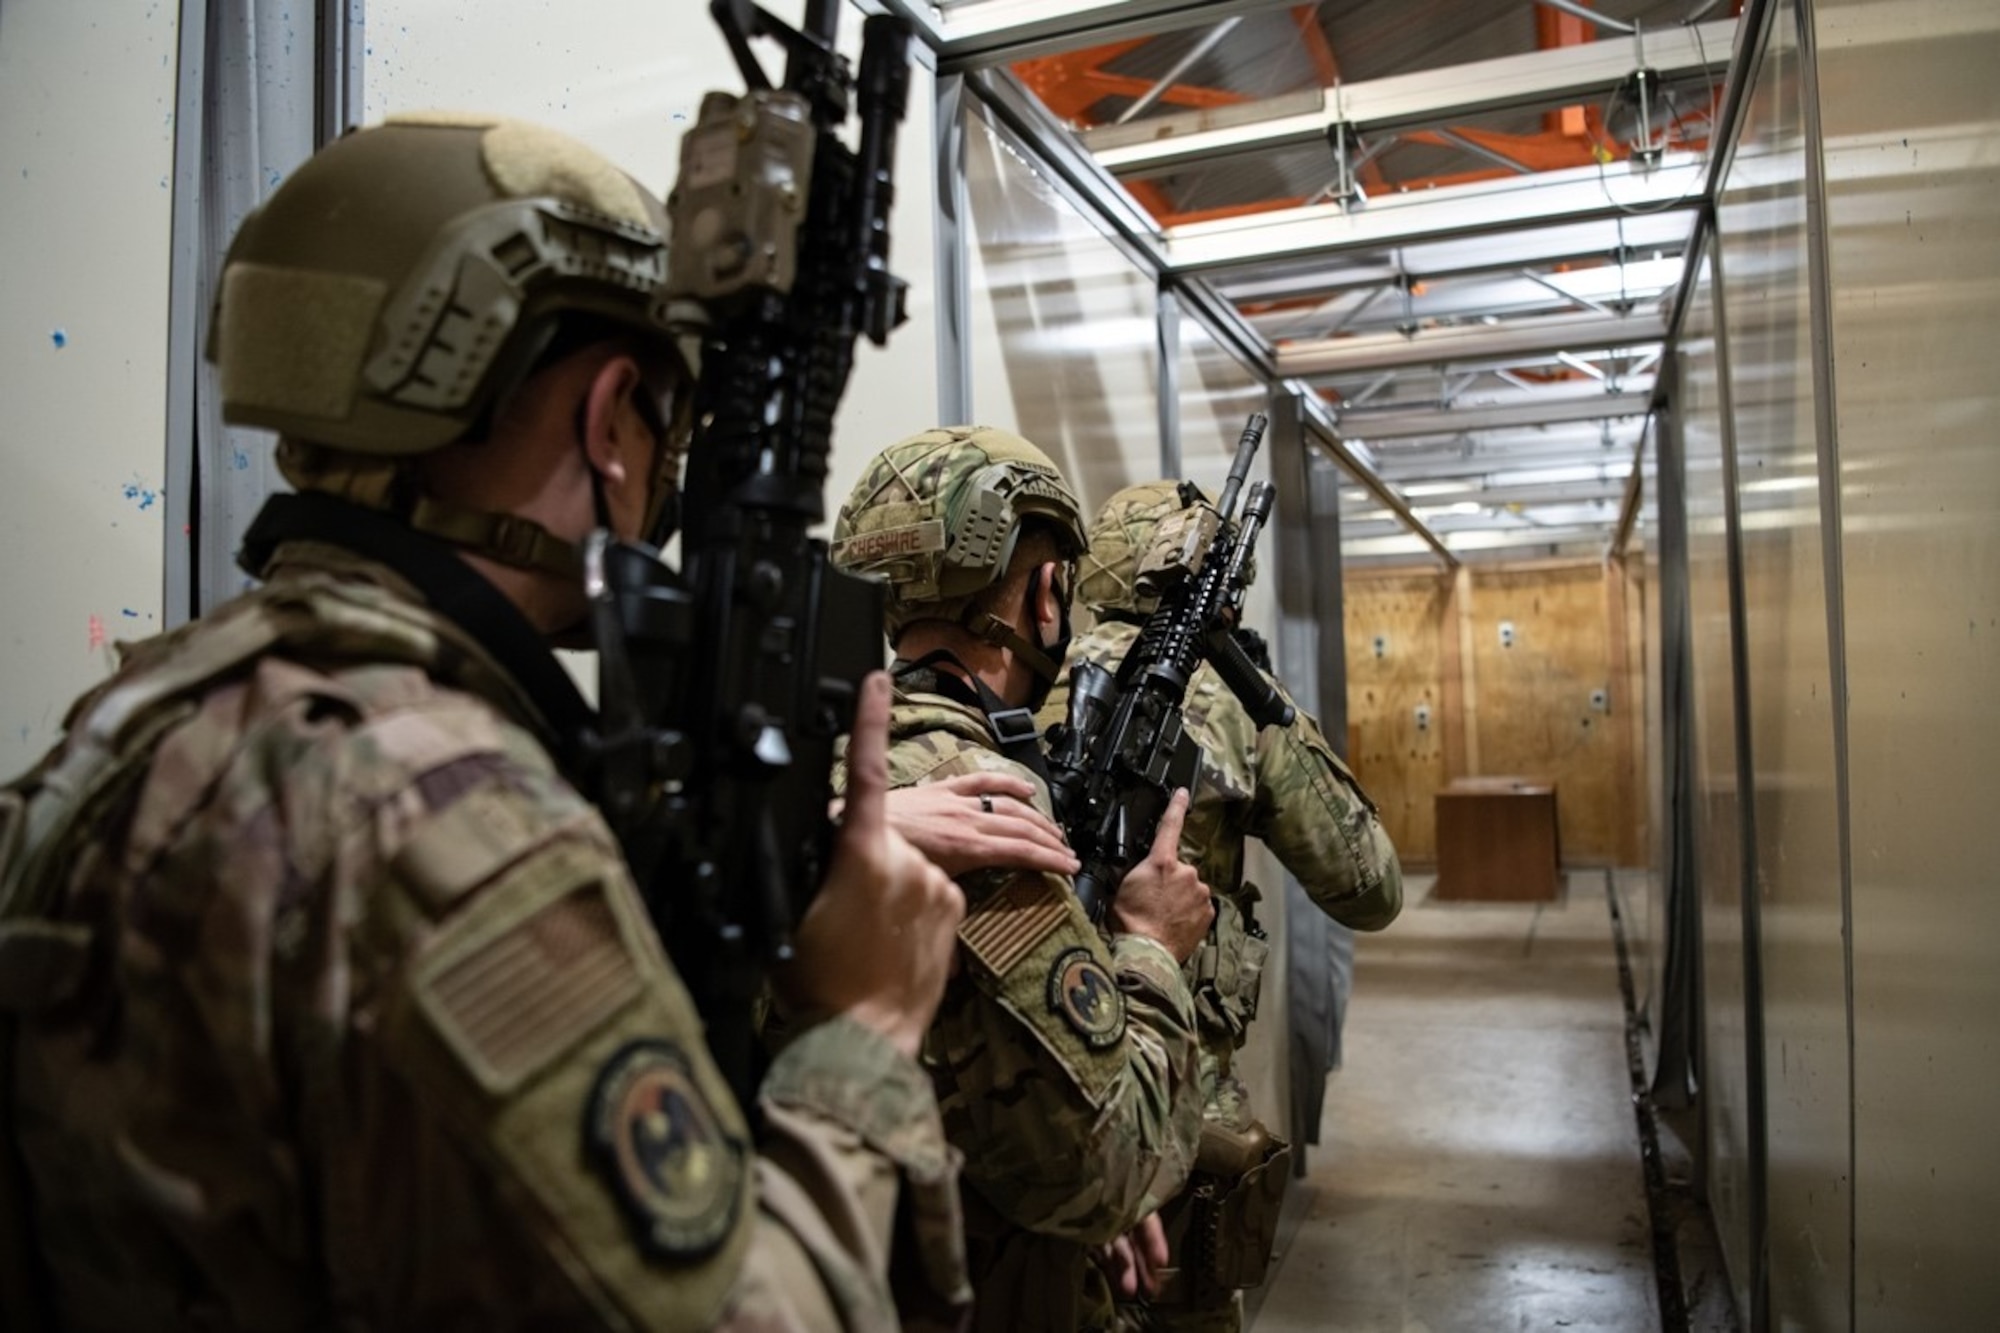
x: 1766, y: 277
x: 1064, y: 333
x: 1717, y: 813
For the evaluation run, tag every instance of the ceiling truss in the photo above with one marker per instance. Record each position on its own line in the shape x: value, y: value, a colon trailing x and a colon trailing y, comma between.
x: 1477, y: 347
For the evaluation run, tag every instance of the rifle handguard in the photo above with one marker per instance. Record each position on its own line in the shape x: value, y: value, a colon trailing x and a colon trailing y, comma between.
x: 1253, y: 689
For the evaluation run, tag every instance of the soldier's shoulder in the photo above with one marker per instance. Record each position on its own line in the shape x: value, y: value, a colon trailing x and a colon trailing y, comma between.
x: 932, y: 738
x: 1047, y: 973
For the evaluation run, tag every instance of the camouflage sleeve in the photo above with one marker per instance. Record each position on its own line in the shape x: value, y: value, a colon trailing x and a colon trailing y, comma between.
x: 1067, y: 1068
x: 527, y: 1006
x: 1310, y: 811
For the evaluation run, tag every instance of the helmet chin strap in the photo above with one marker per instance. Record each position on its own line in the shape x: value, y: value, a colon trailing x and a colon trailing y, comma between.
x: 1044, y: 662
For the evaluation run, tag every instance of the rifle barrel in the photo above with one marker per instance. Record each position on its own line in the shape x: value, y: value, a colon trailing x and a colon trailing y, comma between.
x: 1239, y: 472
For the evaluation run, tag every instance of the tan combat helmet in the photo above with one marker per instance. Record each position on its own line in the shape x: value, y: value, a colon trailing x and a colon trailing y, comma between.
x: 1119, y: 539
x: 405, y: 279
x: 938, y: 516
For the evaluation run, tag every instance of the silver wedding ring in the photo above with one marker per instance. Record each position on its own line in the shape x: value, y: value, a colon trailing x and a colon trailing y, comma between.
x: 986, y: 803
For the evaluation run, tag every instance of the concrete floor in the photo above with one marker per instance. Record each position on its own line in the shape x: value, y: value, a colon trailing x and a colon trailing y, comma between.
x: 1479, y: 1162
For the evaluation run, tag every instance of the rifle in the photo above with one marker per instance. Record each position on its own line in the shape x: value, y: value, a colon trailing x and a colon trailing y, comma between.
x: 725, y: 685
x: 1115, y: 762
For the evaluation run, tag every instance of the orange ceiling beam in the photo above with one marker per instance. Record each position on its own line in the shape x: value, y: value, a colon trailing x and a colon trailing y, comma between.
x: 1071, y: 83
x: 1554, y: 28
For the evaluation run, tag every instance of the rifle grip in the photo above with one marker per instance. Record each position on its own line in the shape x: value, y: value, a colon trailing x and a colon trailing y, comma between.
x: 1093, y: 893
x: 1260, y: 698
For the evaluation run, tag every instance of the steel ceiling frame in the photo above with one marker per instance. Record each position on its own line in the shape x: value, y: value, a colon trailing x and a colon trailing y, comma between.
x: 1538, y: 336
x: 1669, y: 215
x: 974, y: 36
x: 1577, y: 194
x: 1461, y: 421
x: 1564, y: 243
x: 1559, y: 75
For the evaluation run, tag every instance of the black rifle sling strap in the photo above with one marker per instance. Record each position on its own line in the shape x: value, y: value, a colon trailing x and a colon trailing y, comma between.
x: 1013, y: 729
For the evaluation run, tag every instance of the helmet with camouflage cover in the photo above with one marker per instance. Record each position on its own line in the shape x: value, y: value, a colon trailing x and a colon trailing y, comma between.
x: 938, y: 516
x: 1119, y: 539
x: 1120, y: 536
x: 404, y: 280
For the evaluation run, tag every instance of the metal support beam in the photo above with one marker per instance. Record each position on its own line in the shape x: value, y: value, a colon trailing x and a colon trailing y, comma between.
x: 1578, y: 194
x: 1662, y: 233
x: 1433, y: 97
x: 1603, y: 21
x: 186, y: 306
x: 1465, y: 145
x: 953, y: 222
x: 1320, y: 424
x: 1408, y: 425
x: 1151, y: 97
x: 1169, y: 385
x: 999, y: 32
x: 1542, y: 336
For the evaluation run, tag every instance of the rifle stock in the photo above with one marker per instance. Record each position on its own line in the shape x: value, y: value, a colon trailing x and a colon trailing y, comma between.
x: 726, y: 684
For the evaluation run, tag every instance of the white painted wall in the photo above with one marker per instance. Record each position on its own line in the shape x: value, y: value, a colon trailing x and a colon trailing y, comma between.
x: 86, y: 164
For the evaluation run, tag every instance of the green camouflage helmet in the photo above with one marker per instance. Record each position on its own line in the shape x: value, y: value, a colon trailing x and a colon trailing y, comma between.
x: 406, y: 276
x: 1119, y: 538
x: 938, y: 515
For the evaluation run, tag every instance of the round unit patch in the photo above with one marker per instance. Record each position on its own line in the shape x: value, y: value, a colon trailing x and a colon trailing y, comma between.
x: 1086, y: 996
x: 662, y: 1150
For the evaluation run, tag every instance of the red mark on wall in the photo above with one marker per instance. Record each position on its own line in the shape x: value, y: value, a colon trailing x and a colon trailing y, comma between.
x: 96, y: 634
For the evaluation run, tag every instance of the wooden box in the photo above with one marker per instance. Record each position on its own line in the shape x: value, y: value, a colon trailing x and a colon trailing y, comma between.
x: 1496, y: 841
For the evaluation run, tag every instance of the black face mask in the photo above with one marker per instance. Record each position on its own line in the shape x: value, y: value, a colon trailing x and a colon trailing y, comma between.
x: 1038, y: 691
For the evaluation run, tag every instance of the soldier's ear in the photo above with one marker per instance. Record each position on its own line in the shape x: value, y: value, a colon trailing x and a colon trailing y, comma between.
x: 1050, y: 596
x: 616, y: 437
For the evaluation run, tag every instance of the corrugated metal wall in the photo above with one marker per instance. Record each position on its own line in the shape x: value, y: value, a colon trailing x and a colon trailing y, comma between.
x: 1835, y: 406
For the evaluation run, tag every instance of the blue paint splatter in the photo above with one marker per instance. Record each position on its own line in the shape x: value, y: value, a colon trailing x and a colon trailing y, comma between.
x: 272, y: 176
x: 240, y: 461
x: 145, y: 497
x: 60, y: 339
x: 128, y: 613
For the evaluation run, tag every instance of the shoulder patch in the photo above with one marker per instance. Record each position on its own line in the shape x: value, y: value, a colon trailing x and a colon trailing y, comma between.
x: 1005, y: 928
x: 1087, y: 998
x: 510, y: 991
x: 661, y: 1148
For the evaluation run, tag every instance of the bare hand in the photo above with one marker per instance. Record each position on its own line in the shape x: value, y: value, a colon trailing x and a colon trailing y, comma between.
x: 1133, y: 1261
x: 1163, y: 898
x: 879, y: 940
x: 980, y: 821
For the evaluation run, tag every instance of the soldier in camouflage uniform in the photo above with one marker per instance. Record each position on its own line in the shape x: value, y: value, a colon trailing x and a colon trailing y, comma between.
x: 1282, y: 785
x: 1065, y: 1060
x: 330, y: 1002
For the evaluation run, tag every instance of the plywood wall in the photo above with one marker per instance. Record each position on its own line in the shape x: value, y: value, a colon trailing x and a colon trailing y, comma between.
x: 1395, y: 665
x: 1435, y: 691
